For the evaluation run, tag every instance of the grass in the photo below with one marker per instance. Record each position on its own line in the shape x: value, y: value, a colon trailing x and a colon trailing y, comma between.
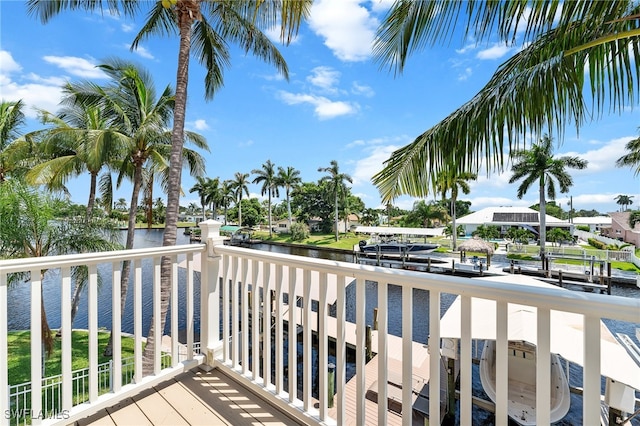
x: 19, y: 354
x: 346, y: 241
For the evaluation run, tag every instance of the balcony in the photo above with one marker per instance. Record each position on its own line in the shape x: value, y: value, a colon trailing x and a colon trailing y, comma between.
x: 303, y: 309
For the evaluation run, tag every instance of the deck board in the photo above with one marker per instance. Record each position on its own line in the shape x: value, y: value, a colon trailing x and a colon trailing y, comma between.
x: 193, y: 398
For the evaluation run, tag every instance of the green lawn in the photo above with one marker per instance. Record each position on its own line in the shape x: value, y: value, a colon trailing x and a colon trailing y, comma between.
x: 19, y: 354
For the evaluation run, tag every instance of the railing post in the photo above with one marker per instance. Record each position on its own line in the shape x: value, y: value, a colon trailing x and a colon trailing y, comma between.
x: 210, y: 342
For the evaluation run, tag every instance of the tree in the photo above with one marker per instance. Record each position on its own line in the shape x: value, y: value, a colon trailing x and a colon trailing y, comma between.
x: 487, y: 232
x: 12, y: 147
x: 289, y: 179
x: 624, y: 201
x: 632, y: 157
x: 267, y: 175
x: 201, y: 188
x: 210, y: 26
x: 121, y: 204
x: 454, y: 182
x: 31, y: 228
x: 337, y: 186
x: 519, y: 236
x: 226, y: 196
x: 370, y: 217
x: 239, y: 185
x: 537, y: 165
x: 558, y: 235
x: 313, y: 200
x: 543, y: 87
x: 634, y: 218
x: 425, y: 215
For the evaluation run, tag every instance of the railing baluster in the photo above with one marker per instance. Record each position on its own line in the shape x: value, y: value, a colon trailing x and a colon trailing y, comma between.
x: 116, y: 327
x: 255, y: 318
x: 341, y: 349
x: 591, y: 370
x: 293, y: 331
x: 157, y: 342
x: 279, y: 331
x: 360, y: 353
x: 407, y: 352
x: 434, y: 354
x: 235, y: 313
x: 502, y: 384
x: 306, y: 341
x: 4, y: 345
x: 383, y: 326
x: 189, y: 301
x: 543, y: 367
x: 226, y: 281
x: 266, y: 326
x: 175, y: 351
x: 323, y: 342
x: 465, y: 361
x: 137, y: 321
x: 37, y: 348
x: 65, y: 324
x: 245, y: 315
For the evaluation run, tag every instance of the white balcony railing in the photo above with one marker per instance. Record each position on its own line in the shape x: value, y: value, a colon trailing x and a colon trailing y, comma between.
x: 253, y: 300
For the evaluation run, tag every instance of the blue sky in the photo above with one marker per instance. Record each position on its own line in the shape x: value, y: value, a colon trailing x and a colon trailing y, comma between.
x: 337, y: 105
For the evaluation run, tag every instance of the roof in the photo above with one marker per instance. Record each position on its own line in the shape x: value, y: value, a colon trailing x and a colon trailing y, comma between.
x: 595, y: 220
x: 508, y: 215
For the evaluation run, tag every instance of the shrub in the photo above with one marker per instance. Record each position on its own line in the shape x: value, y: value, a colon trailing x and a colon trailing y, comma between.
x: 299, y: 231
x: 584, y: 228
x: 597, y: 244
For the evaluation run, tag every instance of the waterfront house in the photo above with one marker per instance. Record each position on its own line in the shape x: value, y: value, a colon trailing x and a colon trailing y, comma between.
x: 621, y: 230
x: 508, y: 217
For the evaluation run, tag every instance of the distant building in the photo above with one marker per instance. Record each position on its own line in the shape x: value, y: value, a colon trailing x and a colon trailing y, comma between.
x: 509, y: 217
x: 595, y: 224
x: 620, y: 229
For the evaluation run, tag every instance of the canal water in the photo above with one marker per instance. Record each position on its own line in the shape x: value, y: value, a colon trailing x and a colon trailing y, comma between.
x: 18, y: 314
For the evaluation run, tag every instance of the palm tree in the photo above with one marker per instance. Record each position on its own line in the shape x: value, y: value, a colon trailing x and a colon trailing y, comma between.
x: 454, y: 182
x: 213, y: 195
x: 632, y: 157
x: 12, y: 118
x: 226, y: 196
x: 542, y: 87
x: 30, y: 228
x: 337, y: 186
x: 539, y: 165
x: 81, y: 139
x: 289, y: 179
x: 624, y: 201
x: 239, y: 186
x: 267, y: 175
x: 201, y: 188
x: 209, y: 25
x: 121, y: 204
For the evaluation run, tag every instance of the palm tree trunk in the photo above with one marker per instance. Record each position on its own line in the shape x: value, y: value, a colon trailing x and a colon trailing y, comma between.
x: 47, y: 336
x: 126, y: 265
x: 240, y: 212
x: 454, y: 233
x: 289, y: 209
x: 150, y: 203
x: 336, y: 213
x: 92, y: 195
x: 270, y: 228
x: 543, y: 217
x: 185, y: 18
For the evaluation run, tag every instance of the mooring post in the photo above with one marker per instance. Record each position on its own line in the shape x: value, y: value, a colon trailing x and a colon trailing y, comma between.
x: 560, y: 277
x: 375, y: 318
x: 429, y: 265
x: 331, y: 385
x: 367, y: 343
x: 453, y: 267
x: 451, y: 386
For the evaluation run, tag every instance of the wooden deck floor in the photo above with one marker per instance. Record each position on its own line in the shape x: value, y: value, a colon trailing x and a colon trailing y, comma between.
x: 193, y: 398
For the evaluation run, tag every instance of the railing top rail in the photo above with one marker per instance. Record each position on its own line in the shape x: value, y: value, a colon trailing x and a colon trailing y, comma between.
x: 591, y: 304
x: 18, y: 265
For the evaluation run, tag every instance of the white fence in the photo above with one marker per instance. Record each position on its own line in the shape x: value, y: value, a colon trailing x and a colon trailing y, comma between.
x: 244, y: 292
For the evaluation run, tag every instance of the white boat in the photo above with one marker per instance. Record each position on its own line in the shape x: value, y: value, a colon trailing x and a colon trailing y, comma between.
x: 522, y: 382
x: 396, y: 248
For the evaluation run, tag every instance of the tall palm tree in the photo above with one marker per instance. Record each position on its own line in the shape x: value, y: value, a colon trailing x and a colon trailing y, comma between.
x: 213, y: 195
x: 201, y: 188
x: 542, y: 87
x: 337, y: 186
x: 624, y: 201
x: 226, y: 196
x: 289, y: 179
x: 632, y: 157
x: 210, y: 26
x: 267, y: 175
x: 239, y: 185
x: 538, y: 165
x: 454, y: 182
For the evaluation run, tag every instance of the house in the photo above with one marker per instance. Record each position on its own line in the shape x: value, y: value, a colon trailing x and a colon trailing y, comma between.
x: 509, y: 217
x: 620, y: 229
x: 595, y: 224
x: 346, y: 226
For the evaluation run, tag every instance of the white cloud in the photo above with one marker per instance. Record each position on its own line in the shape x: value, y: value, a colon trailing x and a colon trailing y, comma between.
x: 76, y: 66
x: 381, y: 6
x: 496, y: 51
x: 360, y: 89
x: 245, y: 144
x: 465, y: 74
x: 7, y: 64
x: 325, y: 78
x: 142, y: 52
x: 347, y: 28
x: 127, y: 28
x: 324, y: 108
x: 602, y: 158
x: 200, y: 125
